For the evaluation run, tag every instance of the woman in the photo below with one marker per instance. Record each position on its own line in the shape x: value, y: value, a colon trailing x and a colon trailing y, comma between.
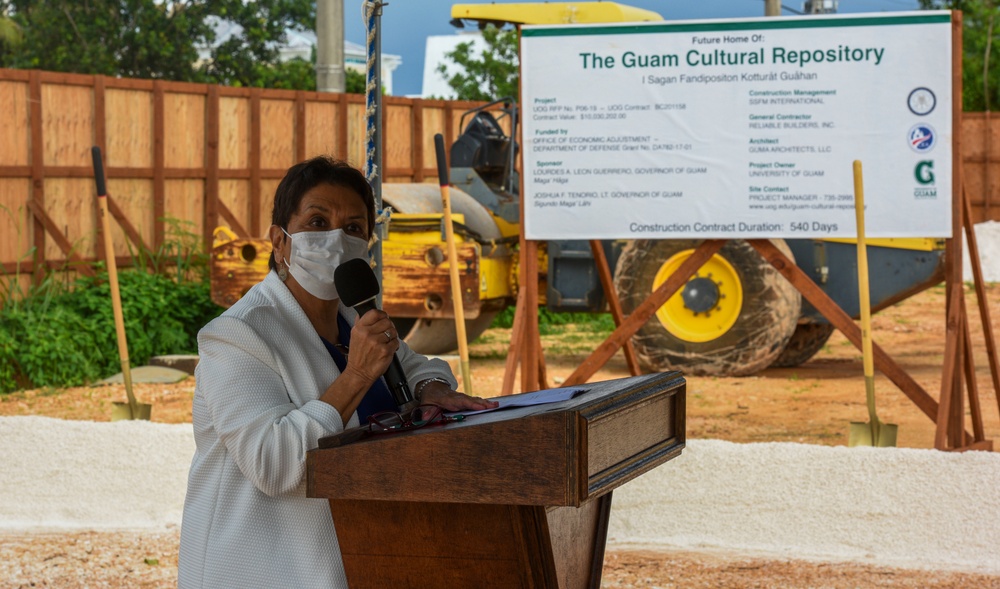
x: 274, y: 376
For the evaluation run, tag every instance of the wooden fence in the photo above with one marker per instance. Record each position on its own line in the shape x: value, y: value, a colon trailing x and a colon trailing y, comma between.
x: 213, y: 155
x: 980, y: 159
x: 198, y: 153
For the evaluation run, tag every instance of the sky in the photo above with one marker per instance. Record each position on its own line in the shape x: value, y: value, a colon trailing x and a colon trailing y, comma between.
x: 406, y: 24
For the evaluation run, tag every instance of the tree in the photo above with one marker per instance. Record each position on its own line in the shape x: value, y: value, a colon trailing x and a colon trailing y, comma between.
x: 245, y: 59
x: 134, y: 38
x: 980, y: 18
x: 159, y: 39
x: 354, y: 82
x: 490, y: 75
x: 10, y: 33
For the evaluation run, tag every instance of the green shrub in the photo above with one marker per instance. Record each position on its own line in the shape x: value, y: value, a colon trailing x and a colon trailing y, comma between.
x: 62, y: 335
x: 66, y: 337
x: 550, y: 322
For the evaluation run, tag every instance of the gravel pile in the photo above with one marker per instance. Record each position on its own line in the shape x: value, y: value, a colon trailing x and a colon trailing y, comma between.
x: 900, y: 507
x: 988, y: 242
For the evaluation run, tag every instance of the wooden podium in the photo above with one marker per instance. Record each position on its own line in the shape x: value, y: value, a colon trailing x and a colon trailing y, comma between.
x: 518, y: 497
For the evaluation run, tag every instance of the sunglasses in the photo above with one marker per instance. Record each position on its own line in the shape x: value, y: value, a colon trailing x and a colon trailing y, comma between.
x: 387, y: 422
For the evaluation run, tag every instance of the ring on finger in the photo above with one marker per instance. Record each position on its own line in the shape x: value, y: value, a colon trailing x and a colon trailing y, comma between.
x: 388, y: 336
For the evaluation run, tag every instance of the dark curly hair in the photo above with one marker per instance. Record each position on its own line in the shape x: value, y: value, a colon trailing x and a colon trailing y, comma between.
x: 304, y: 176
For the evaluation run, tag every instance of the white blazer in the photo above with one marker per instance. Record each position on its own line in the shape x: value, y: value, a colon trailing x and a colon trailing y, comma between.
x: 247, y: 522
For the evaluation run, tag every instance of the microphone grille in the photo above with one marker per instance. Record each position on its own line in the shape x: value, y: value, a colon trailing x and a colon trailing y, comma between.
x: 355, y: 282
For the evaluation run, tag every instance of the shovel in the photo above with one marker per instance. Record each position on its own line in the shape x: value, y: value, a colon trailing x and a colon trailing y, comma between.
x: 132, y: 409
x: 456, y: 285
x: 874, y: 433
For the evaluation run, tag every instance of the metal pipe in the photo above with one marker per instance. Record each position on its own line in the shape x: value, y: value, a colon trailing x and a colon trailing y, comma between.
x: 379, y: 170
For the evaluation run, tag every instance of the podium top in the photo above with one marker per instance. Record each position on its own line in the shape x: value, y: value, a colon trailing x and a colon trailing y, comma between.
x: 557, y: 454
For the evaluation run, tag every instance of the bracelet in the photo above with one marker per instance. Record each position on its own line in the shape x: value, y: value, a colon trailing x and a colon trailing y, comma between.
x: 418, y: 392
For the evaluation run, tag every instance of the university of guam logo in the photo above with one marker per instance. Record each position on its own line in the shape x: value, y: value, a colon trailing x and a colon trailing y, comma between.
x: 923, y: 172
x: 922, y: 138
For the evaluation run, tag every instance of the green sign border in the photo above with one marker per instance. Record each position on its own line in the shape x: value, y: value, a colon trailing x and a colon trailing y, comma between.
x: 757, y: 25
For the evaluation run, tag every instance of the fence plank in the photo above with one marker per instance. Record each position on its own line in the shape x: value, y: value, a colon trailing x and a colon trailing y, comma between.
x: 159, y: 163
x: 211, y: 215
x: 255, y: 148
x: 37, y: 161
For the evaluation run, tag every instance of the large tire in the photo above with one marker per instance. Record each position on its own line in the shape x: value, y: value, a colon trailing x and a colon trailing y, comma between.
x: 808, y: 339
x: 747, y: 325
x: 438, y: 336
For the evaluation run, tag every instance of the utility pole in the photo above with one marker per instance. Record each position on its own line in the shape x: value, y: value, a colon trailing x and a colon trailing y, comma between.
x: 330, y: 46
x: 772, y: 7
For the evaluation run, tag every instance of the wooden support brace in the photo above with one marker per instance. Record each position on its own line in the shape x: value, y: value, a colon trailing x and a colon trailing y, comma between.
x: 126, y: 225
x: 543, y: 376
x: 514, y: 350
x: 607, y: 283
x: 67, y: 248
x: 951, y: 351
x: 532, y: 347
x: 643, y: 312
x: 975, y: 410
x: 840, y: 319
x: 984, y: 308
x: 230, y: 218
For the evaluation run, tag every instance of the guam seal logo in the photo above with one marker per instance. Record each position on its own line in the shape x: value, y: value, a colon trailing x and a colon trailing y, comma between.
x: 921, y: 101
x: 922, y: 138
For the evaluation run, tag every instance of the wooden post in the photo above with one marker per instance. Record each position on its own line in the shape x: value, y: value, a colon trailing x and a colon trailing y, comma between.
x: 37, y: 172
x: 532, y: 344
x: 255, y: 148
x: 159, y: 163
x: 212, y: 133
x: 607, y: 283
x: 100, y: 140
x: 950, y: 433
x: 984, y: 308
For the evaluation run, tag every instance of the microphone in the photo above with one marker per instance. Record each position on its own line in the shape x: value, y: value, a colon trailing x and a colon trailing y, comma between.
x: 358, y: 287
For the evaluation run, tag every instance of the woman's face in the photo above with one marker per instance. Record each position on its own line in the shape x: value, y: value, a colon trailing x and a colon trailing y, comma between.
x: 325, y: 207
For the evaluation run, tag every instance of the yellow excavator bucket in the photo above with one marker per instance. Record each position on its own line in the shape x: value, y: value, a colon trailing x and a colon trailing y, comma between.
x: 551, y: 13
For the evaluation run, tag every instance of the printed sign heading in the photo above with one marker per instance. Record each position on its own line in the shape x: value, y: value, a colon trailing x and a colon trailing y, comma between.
x: 738, y: 128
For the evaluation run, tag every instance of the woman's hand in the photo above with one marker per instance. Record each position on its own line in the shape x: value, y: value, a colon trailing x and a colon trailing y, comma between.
x: 442, y: 395
x: 374, y: 341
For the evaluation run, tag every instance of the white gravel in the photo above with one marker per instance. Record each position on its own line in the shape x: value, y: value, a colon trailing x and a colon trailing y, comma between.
x: 988, y: 243
x: 893, y: 506
x: 74, y: 475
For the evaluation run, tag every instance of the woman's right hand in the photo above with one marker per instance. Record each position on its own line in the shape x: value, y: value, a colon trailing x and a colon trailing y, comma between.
x: 374, y: 342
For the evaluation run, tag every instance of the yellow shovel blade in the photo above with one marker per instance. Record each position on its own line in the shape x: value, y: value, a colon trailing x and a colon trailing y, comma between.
x: 860, y: 434
x: 122, y: 412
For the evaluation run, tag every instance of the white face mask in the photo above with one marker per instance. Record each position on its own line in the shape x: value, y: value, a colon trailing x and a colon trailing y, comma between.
x: 315, y: 256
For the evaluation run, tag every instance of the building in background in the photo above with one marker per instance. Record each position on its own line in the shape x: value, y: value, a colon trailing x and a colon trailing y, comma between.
x: 300, y: 44
x: 435, y: 84
x: 819, y: 6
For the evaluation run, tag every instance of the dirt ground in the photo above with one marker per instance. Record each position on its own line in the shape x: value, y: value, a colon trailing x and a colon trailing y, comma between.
x: 812, y: 403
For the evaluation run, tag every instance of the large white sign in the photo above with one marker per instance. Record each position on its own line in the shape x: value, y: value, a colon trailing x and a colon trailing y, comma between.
x: 738, y: 128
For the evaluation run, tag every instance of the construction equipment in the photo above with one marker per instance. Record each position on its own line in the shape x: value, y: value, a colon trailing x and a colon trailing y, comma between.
x: 736, y: 316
